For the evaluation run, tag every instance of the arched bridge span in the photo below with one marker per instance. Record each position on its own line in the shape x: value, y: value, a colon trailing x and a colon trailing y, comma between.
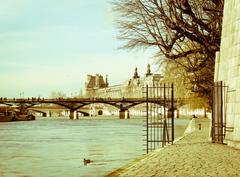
x: 74, y: 104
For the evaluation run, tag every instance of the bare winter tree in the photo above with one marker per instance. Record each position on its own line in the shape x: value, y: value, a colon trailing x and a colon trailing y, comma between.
x: 176, y: 74
x: 185, y: 31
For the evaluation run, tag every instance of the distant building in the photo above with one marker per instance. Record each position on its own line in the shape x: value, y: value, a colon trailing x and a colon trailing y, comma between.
x: 96, y: 82
x: 96, y: 86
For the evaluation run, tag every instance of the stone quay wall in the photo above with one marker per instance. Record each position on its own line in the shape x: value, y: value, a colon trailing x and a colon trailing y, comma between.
x: 227, y: 69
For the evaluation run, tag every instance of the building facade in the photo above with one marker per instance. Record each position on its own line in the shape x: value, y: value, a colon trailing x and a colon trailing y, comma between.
x: 96, y: 86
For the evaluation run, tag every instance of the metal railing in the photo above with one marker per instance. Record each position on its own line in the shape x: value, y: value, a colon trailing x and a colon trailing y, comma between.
x: 159, y: 121
x: 219, y: 100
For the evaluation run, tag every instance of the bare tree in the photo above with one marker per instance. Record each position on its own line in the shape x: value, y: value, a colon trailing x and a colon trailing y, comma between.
x: 57, y: 94
x: 185, y: 31
x: 184, y: 89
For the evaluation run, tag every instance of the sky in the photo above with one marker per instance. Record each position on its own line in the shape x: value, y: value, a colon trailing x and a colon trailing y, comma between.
x: 52, y: 45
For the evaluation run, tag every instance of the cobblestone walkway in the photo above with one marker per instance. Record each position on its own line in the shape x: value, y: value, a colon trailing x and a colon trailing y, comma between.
x: 192, y: 156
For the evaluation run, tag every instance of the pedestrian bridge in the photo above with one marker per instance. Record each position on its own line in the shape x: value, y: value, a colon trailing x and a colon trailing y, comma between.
x: 73, y: 104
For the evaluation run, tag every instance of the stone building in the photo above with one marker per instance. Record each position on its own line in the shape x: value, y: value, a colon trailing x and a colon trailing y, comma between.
x: 95, y: 83
x: 96, y: 86
x: 227, y: 69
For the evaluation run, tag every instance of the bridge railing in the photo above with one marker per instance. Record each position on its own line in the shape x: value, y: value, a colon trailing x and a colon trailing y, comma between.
x: 47, y: 100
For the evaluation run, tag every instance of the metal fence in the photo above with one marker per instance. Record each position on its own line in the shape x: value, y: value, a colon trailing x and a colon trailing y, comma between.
x: 219, y: 96
x: 159, y: 121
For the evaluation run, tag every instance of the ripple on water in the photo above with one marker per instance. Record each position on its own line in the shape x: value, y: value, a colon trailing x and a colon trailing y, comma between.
x: 57, y: 147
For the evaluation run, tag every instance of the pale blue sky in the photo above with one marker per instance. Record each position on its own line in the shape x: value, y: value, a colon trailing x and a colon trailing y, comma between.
x: 51, y: 45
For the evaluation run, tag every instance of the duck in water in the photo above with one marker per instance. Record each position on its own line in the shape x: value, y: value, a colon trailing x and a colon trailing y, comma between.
x: 86, y: 161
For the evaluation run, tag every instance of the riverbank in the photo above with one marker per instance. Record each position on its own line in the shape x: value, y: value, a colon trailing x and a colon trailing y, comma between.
x: 192, y: 156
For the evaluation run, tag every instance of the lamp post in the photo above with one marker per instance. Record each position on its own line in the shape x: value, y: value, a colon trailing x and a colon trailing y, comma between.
x: 21, y: 94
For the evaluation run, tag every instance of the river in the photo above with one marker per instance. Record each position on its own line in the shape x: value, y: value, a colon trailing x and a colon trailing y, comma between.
x: 56, y: 147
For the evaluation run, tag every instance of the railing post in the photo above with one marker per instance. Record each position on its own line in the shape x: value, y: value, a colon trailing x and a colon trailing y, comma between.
x: 213, y: 114
x: 147, y: 115
x: 172, y: 113
x: 221, y: 118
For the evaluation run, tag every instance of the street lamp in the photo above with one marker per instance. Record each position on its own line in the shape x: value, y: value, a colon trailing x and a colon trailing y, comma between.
x: 21, y: 94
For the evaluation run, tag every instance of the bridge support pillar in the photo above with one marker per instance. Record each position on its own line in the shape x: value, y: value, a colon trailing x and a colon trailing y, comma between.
x: 49, y: 114
x: 71, y: 115
x: 178, y: 114
x: 124, y: 114
x: 169, y: 113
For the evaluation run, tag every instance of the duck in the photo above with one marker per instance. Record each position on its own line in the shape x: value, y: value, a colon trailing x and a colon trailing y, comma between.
x: 86, y: 161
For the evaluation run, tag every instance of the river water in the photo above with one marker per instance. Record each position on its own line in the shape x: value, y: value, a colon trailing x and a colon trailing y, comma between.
x: 56, y: 147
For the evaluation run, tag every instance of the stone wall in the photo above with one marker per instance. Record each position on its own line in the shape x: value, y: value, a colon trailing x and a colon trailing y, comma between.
x: 227, y: 68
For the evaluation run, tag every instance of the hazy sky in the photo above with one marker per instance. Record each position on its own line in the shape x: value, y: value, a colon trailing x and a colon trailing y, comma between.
x: 51, y: 45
